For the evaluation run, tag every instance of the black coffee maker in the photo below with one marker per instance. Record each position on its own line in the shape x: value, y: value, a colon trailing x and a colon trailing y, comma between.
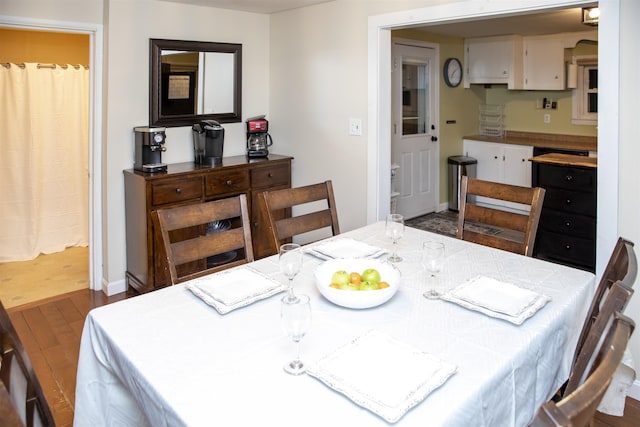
x: 258, y: 138
x: 149, y: 145
x: 208, y: 142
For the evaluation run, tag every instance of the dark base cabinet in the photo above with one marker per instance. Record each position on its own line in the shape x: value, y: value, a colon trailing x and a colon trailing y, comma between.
x: 190, y: 183
x: 567, y: 228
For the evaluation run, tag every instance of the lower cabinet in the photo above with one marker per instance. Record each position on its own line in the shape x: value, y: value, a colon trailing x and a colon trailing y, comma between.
x: 189, y: 183
x: 504, y: 163
x: 567, y: 227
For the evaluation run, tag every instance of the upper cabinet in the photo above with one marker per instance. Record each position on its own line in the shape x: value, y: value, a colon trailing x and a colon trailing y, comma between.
x: 543, y: 63
x: 520, y: 62
x: 493, y: 60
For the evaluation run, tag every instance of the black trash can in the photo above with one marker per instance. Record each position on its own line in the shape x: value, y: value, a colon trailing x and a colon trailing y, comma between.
x: 459, y: 166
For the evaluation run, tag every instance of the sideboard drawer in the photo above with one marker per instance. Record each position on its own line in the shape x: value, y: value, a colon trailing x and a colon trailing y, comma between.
x: 272, y: 176
x: 568, y: 223
x: 175, y: 191
x: 226, y: 182
x: 570, y: 178
x: 571, y: 249
x: 570, y: 201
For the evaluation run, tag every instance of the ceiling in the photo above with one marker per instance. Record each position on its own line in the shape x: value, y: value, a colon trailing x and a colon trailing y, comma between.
x: 256, y: 6
x: 551, y: 22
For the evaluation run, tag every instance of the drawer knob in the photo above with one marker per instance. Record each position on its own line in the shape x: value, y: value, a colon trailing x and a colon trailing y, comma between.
x: 568, y: 202
x: 567, y: 247
x: 567, y: 223
x: 178, y: 190
x: 569, y: 177
x: 270, y: 175
x: 229, y: 182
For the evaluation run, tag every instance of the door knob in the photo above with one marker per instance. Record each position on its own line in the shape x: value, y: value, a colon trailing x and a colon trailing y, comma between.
x: 434, y: 138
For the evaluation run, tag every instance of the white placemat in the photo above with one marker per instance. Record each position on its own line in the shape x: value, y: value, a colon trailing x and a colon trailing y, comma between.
x: 497, y: 299
x: 345, y: 248
x: 382, y: 374
x: 231, y: 289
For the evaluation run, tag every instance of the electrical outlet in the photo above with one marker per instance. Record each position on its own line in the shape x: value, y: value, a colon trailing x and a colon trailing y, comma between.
x: 355, y: 127
x: 547, y: 118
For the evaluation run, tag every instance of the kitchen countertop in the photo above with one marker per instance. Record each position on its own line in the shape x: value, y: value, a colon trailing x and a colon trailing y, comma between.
x: 547, y: 140
x: 566, y: 160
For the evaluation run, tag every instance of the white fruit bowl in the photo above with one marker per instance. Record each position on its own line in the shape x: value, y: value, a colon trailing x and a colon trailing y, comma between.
x: 357, y: 299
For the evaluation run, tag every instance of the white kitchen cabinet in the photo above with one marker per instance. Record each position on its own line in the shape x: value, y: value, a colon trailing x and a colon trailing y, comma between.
x: 493, y: 60
x: 504, y: 163
x: 544, y: 66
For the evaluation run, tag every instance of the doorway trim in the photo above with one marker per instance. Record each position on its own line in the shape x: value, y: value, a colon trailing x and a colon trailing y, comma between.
x: 379, y: 95
x: 95, y: 32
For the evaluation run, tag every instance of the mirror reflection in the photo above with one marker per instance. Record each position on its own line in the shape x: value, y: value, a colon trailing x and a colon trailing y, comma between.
x: 193, y: 81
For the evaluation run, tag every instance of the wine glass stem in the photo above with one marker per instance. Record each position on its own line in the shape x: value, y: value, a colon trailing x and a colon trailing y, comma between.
x: 297, y: 359
x: 290, y: 290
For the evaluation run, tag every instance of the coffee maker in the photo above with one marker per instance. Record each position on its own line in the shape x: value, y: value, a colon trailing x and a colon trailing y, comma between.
x: 258, y: 138
x: 149, y: 145
x: 208, y: 142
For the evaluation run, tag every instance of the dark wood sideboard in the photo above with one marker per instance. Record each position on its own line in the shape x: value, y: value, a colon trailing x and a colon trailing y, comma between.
x: 189, y: 183
x: 567, y: 228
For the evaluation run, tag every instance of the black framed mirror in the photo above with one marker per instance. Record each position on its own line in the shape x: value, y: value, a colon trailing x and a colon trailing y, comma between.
x: 192, y: 81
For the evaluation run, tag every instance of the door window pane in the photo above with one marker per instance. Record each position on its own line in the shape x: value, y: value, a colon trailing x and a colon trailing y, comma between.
x: 414, y: 98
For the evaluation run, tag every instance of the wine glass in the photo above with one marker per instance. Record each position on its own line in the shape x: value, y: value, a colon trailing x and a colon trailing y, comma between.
x: 290, y: 263
x: 432, y: 263
x: 394, y: 228
x: 296, y: 320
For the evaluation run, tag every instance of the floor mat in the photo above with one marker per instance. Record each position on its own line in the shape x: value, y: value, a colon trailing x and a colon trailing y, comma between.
x: 446, y: 224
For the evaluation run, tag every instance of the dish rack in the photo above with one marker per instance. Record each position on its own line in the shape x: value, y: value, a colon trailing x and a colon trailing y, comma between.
x: 491, y: 120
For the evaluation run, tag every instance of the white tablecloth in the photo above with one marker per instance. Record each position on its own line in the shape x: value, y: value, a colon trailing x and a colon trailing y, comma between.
x: 167, y: 359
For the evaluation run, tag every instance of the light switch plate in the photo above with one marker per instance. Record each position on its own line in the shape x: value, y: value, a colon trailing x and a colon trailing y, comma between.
x: 355, y: 127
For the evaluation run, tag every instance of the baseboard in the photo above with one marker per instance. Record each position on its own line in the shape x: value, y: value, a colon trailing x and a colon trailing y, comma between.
x: 112, y: 288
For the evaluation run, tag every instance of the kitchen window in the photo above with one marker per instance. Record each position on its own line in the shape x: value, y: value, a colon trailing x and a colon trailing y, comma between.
x: 585, y: 95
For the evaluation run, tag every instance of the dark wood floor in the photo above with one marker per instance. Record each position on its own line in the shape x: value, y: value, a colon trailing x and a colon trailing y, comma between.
x: 51, y: 329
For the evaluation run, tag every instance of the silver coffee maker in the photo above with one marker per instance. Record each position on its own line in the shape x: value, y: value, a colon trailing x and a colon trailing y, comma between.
x: 149, y: 145
x: 208, y: 142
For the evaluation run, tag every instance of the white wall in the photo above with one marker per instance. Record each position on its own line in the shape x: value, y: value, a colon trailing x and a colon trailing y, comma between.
x: 629, y: 153
x: 86, y: 11
x: 130, y: 25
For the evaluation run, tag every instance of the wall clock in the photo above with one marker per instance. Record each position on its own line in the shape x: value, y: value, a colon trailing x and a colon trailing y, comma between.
x: 452, y: 72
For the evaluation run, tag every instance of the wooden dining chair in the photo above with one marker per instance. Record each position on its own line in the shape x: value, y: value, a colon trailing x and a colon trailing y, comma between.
x: 578, y: 407
x: 622, y: 266
x: 204, y: 238
x: 517, y: 230
x: 616, y: 301
x: 277, y: 205
x: 19, y: 378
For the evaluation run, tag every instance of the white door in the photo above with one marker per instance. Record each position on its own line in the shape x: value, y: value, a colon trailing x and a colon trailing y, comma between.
x: 414, y: 139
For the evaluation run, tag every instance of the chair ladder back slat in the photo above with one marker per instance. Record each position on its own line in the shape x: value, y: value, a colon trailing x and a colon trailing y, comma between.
x: 622, y: 266
x: 182, y: 231
x: 282, y: 228
x: 14, y: 356
x: 579, y: 407
x: 511, y: 225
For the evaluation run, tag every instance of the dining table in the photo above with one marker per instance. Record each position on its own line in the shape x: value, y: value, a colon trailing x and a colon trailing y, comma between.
x: 167, y: 358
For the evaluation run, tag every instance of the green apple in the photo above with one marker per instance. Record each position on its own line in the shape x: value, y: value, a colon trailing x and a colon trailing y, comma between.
x: 368, y: 286
x: 340, y: 278
x: 371, y: 275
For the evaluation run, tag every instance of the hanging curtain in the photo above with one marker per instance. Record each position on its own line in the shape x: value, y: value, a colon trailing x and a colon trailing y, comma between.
x: 44, y: 176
